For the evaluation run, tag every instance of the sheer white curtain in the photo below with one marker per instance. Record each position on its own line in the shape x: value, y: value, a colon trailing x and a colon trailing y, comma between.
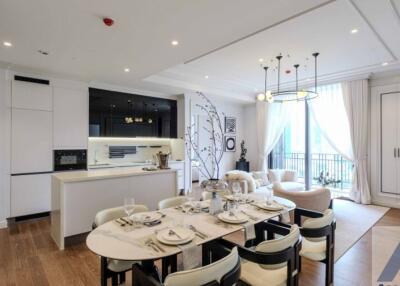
x: 341, y: 111
x: 355, y: 97
x: 330, y: 116
x: 272, y: 119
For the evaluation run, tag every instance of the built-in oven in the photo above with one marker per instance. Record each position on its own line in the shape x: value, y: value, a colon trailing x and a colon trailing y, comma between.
x: 68, y: 160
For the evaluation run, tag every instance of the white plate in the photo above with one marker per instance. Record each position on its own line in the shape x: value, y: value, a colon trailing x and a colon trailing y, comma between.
x: 146, y: 217
x: 186, y: 234
x: 237, y: 218
x: 272, y: 207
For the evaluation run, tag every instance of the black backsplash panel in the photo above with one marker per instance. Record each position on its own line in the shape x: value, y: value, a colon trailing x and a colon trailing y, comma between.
x: 110, y: 112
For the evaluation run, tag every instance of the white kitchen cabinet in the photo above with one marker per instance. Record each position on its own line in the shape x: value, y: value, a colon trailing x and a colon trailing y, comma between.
x: 30, y: 194
x: 29, y: 95
x: 31, y: 141
x: 180, y: 167
x: 70, y: 118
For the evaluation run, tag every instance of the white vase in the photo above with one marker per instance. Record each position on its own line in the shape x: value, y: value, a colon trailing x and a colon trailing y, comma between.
x: 215, y: 186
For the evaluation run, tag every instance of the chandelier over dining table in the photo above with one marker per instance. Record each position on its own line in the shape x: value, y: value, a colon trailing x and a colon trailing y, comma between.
x: 288, y: 95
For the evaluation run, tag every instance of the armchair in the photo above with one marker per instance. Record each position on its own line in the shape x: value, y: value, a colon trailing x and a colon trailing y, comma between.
x: 269, y: 262
x: 223, y: 272
x: 317, y: 200
x: 318, y: 239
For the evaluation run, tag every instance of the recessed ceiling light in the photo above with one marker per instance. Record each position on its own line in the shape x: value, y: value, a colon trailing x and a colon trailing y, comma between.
x: 206, y: 76
x: 385, y: 64
x: 127, y: 69
x: 174, y: 43
x: 354, y: 31
x: 261, y: 60
x: 7, y: 44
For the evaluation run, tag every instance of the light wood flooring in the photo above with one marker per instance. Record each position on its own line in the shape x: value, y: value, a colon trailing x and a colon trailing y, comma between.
x: 28, y: 256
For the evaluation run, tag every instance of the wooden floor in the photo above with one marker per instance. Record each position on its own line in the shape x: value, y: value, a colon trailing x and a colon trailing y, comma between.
x: 28, y: 256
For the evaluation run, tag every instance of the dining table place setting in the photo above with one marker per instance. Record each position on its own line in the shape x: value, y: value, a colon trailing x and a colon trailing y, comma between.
x: 152, y: 235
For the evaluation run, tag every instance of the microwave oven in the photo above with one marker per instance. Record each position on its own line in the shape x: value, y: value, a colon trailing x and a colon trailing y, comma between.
x: 66, y: 160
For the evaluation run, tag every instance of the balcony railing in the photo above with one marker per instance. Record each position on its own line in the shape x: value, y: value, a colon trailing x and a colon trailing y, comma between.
x: 334, y: 168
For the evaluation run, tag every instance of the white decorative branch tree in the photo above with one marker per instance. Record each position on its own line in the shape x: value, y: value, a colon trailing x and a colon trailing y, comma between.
x: 210, y: 156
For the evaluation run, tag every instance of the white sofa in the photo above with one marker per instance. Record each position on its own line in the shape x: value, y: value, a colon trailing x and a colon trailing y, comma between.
x: 260, y: 181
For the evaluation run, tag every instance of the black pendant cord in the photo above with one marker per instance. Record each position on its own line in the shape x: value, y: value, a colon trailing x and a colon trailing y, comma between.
x: 265, y: 80
x: 315, y: 71
x: 296, y: 66
x: 279, y: 72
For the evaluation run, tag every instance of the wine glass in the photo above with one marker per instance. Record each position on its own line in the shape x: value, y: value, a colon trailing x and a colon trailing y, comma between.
x: 236, y: 190
x: 190, y: 201
x: 268, y: 196
x: 129, y: 206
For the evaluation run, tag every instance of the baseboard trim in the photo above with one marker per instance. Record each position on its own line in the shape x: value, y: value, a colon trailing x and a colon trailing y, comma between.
x: 3, y: 224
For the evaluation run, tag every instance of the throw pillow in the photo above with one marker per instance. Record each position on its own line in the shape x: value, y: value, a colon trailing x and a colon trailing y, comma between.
x: 261, y: 177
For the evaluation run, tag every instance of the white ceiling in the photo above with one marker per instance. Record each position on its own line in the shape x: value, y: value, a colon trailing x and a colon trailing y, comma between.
x: 239, y: 32
x: 235, y: 71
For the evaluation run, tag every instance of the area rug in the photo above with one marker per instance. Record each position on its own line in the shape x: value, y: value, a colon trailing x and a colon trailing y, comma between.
x: 352, y: 222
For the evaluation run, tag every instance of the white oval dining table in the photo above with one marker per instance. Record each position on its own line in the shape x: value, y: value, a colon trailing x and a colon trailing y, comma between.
x: 112, y: 241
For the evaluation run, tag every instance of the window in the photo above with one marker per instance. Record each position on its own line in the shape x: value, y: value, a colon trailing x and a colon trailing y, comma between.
x: 325, y: 165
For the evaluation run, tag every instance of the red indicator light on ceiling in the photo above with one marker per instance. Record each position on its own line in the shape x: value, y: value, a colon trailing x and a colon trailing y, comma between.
x: 108, y: 22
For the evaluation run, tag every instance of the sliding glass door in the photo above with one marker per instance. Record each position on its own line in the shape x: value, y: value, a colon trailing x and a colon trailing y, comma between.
x: 304, y: 147
x: 289, y: 152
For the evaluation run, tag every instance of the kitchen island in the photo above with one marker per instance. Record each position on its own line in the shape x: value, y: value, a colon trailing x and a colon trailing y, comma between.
x: 76, y: 197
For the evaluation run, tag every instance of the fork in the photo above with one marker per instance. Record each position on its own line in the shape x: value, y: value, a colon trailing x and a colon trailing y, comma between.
x: 200, y: 234
x: 157, y: 245
x: 172, y: 232
x: 149, y: 243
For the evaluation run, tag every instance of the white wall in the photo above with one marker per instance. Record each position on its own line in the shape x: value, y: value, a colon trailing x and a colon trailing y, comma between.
x: 5, y: 132
x: 250, y: 135
x: 229, y: 109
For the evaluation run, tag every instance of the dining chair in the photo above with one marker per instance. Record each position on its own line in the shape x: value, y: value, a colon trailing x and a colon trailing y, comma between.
x: 270, y: 262
x: 318, y: 233
x: 172, y: 202
x: 223, y: 272
x: 112, y: 268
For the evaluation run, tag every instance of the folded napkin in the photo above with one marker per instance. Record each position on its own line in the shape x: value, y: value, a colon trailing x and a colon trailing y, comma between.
x: 191, y: 255
x: 249, y: 231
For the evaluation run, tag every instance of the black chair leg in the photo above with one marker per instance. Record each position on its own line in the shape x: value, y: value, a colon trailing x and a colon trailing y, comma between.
x: 114, y: 280
x: 329, y: 266
x: 121, y: 277
x: 299, y: 265
x: 103, y: 271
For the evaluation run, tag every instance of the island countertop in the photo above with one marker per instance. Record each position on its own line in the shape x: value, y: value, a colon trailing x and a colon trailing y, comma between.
x: 98, y: 174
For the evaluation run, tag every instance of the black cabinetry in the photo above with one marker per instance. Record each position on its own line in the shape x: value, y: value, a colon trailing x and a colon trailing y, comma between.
x: 118, y: 114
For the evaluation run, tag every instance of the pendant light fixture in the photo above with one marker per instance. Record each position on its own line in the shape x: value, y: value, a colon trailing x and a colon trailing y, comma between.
x: 130, y: 119
x: 288, y: 95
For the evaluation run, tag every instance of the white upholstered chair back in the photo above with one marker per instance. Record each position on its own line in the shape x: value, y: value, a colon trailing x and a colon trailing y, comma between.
x: 316, y: 199
x: 279, y: 244
x: 172, y: 202
x: 206, y: 274
x: 282, y: 175
x: 107, y: 215
x: 319, y: 222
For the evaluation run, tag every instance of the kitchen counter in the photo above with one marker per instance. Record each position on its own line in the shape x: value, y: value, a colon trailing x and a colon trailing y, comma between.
x: 108, y: 173
x: 77, y: 196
